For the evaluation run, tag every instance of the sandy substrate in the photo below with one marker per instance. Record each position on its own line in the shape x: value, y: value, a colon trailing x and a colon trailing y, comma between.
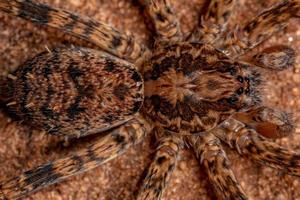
x: 21, y: 148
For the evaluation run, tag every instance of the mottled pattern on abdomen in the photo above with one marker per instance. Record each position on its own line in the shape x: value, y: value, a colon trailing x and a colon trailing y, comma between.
x: 77, y: 91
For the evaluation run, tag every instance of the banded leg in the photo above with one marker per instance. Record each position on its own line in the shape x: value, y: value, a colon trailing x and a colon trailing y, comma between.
x: 111, y: 145
x: 249, y: 142
x: 275, y: 58
x: 210, y: 153
x: 160, y: 170
x: 213, y: 20
x: 164, y: 20
x: 102, y: 35
x: 267, y: 23
x: 268, y: 122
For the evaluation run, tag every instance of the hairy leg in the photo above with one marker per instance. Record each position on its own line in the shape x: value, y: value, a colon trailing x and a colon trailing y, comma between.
x: 164, y: 20
x: 160, y: 170
x: 268, y: 122
x: 210, y: 153
x: 108, y: 147
x: 213, y: 20
x: 98, y: 33
x: 264, y: 25
x: 249, y: 142
x: 278, y: 57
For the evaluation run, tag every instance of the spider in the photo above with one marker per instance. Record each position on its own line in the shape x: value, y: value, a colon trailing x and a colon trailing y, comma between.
x: 190, y: 91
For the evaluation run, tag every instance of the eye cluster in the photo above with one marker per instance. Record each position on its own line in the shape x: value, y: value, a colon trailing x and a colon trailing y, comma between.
x: 254, y: 82
x: 243, y: 90
x: 248, y: 94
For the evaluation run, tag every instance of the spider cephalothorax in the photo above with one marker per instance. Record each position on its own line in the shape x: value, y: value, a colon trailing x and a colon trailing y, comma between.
x: 197, y: 90
x: 192, y: 87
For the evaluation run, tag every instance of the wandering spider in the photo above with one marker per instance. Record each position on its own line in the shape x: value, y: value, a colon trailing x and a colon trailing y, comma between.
x: 193, y: 91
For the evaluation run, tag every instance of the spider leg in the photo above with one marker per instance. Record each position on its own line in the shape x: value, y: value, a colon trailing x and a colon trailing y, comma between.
x: 210, y: 153
x: 248, y: 142
x: 98, y: 152
x: 278, y: 57
x: 268, y: 122
x: 160, y: 170
x: 98, y: 33
x: 213, y: 20
x: 263, y: 26
x: 164, y: 20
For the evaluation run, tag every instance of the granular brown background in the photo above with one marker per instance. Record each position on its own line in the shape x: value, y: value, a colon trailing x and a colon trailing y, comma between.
x: 21, y: 148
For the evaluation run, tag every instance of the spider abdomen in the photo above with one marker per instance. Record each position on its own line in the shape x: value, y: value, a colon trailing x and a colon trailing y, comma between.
x: 76, y: 91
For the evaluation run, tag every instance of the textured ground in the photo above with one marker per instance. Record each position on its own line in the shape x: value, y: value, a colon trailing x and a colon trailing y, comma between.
x: 22, y: 148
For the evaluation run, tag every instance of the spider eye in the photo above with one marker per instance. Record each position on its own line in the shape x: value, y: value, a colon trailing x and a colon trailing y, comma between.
x: 240, y: 91
x: 247, y: 91
x: 240, y: 79
x: 247, y: 80
x: 232, y: 100
x: 231, y: 70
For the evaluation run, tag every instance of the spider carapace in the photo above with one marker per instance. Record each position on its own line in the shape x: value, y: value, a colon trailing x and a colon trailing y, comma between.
x: 192, y: 87
x: 192, y: 91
